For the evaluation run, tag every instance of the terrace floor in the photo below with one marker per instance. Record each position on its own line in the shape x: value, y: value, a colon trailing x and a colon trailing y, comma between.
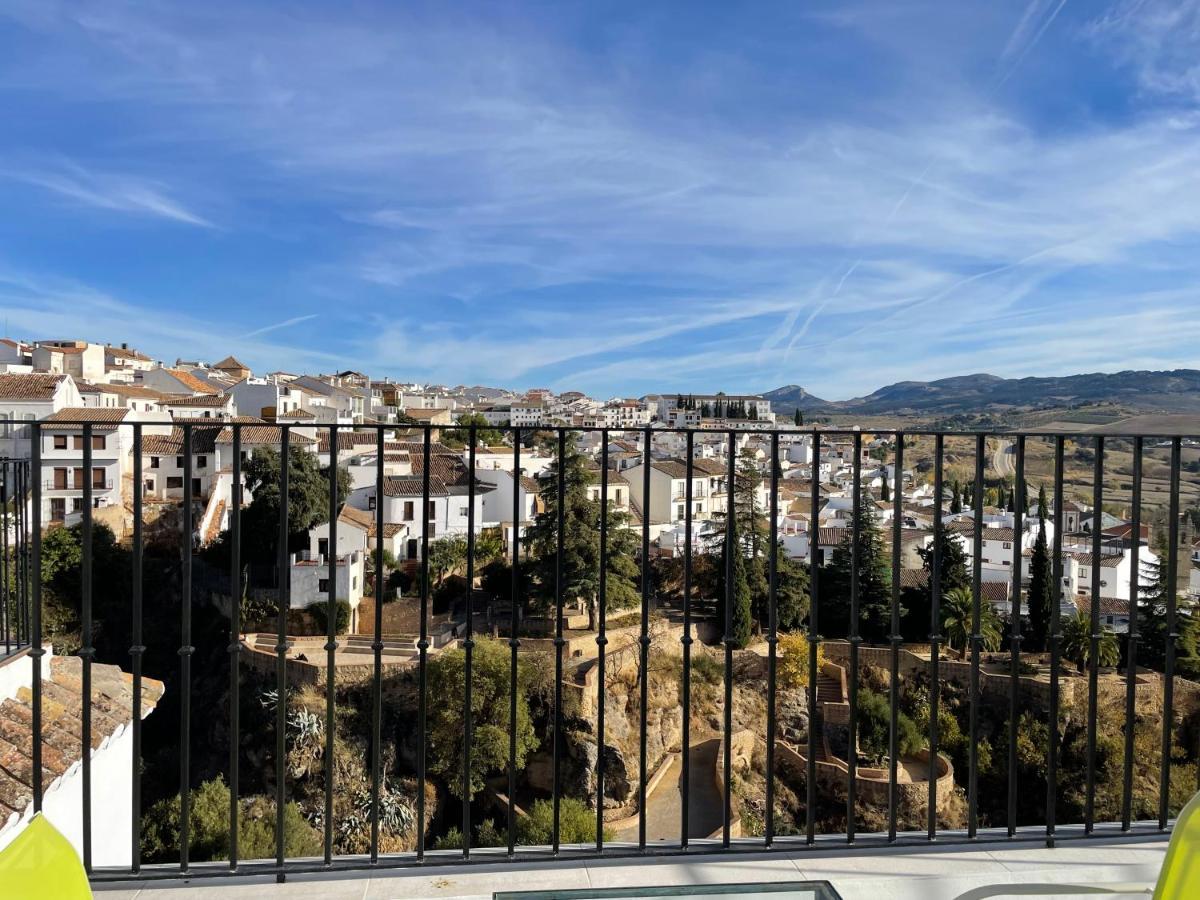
x: 882, y: 873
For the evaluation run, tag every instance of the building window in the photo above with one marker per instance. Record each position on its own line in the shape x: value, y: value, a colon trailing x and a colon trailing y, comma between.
x: 60, y: 479
x: 371, y: 502
x: 179, y: 462
x: 154, y: 461
x: 1007, y: 545
x: 323, y: 546
x: 464, y: 511
x: 97, y: 442
x: 323, y: 585
x: 408, y: 510
x: 98, y: 478
x: 174, y: 482
x: 201, y: 462
x: 60, y: 442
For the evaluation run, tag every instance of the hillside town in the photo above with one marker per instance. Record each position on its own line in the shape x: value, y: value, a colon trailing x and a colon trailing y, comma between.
x: 424, y: 524
x: 62, y: 383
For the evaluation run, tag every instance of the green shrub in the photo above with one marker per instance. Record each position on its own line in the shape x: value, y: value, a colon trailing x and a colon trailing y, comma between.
x: 707, y: 669
x: 209, y: 827
x: 320, y: 612
x: 576, y: 823
x: 874, y: 724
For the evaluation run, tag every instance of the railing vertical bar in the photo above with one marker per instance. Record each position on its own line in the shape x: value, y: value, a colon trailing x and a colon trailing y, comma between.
x: 1131, y: 640
x: 377, y: 652
x: 731, y: 548
x: 1015, y: 635
x: 9, y: 595
x: 185, y: 656
x: 601, y: 640
x: 1172, y: 635
x: 331, y: 637
x: 1089, y: 806
x: 1055, y: 646
x: 136, y: 651
x: 35, y: 450
x: 559, y: 537
x: 422, y: 641
x: 235, y: 639
x: 897, y: 485
x: 281, y: 648
x: 772, y: 638
x: 855, y: 639
x: 644, y: 639
x: 514, y: 645
x: 686, y: 641
x: 22, y: 557
x: 976, y: 637
x: 469, y: 646
x: 87, y: 651
x: 935, y: 629
x: 814, y: 638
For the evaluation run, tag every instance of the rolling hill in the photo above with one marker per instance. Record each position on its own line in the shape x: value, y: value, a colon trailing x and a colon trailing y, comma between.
x: 1176, y: 391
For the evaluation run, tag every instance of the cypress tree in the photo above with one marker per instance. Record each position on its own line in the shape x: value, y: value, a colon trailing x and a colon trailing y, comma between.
x: 885, y: 493
x: 955, y: 499
x: 798, y: 418
x: 1042, y: 593
x: 741, y: 620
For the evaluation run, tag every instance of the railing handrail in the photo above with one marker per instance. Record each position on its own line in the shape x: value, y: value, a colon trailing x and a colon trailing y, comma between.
x: 859, y: 601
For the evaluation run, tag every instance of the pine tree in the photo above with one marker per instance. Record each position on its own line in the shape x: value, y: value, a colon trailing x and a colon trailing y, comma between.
x: 581, y: 543
x: 1042, y: 593
x: 874, y: 582
x: 1154, y: 595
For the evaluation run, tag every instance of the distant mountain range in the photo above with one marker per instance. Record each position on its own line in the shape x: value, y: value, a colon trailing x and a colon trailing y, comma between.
x: 1175, y: 391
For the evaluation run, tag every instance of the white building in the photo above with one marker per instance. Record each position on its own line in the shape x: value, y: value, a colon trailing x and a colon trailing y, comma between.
x: 77, y: 358
x: 309, y: 583
x: 26, y: 398
x: 668, y: 489
x: 63, y: 476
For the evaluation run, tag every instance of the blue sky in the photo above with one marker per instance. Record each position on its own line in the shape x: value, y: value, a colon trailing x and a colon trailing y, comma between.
x: 613, y: 197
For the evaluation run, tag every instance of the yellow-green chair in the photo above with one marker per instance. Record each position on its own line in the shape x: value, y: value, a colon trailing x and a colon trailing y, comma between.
x: 40, y: 862
x: 1179, y: 878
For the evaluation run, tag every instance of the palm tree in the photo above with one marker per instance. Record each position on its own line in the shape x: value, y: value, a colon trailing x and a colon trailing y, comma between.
x: 958, y: 615
x: 446, y: 556
x: 1077, y: 643
x: 489, y: 546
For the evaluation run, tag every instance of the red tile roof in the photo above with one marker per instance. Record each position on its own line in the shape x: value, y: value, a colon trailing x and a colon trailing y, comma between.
x: 62, y: 702
x: 29, y: 386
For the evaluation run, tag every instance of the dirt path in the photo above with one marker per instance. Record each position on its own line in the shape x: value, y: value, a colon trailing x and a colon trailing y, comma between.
x: 664, y: 808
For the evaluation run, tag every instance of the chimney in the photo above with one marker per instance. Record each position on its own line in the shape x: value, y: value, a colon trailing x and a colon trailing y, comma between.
x: 124, y: 346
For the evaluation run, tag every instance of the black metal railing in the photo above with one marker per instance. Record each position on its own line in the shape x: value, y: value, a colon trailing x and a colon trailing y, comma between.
x: 16, y: 631
x: 857, y: 612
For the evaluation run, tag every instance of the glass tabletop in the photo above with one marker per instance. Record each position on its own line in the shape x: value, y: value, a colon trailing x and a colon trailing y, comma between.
x: 786, y: 890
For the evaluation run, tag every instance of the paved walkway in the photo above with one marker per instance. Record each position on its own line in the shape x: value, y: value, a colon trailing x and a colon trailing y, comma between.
x: 867, y: 872
x: 664, y: 808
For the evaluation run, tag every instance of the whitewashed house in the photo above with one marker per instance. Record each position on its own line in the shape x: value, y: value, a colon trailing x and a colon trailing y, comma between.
x: 62, y: 472
x: 26, y: 398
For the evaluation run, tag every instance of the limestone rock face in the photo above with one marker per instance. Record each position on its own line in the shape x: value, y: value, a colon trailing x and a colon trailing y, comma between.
x: 577, y: 776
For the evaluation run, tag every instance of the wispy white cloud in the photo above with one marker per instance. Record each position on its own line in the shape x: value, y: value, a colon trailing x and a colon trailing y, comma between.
x: 120, y: 193
x: 286, y: 323
x: 501, y: 207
